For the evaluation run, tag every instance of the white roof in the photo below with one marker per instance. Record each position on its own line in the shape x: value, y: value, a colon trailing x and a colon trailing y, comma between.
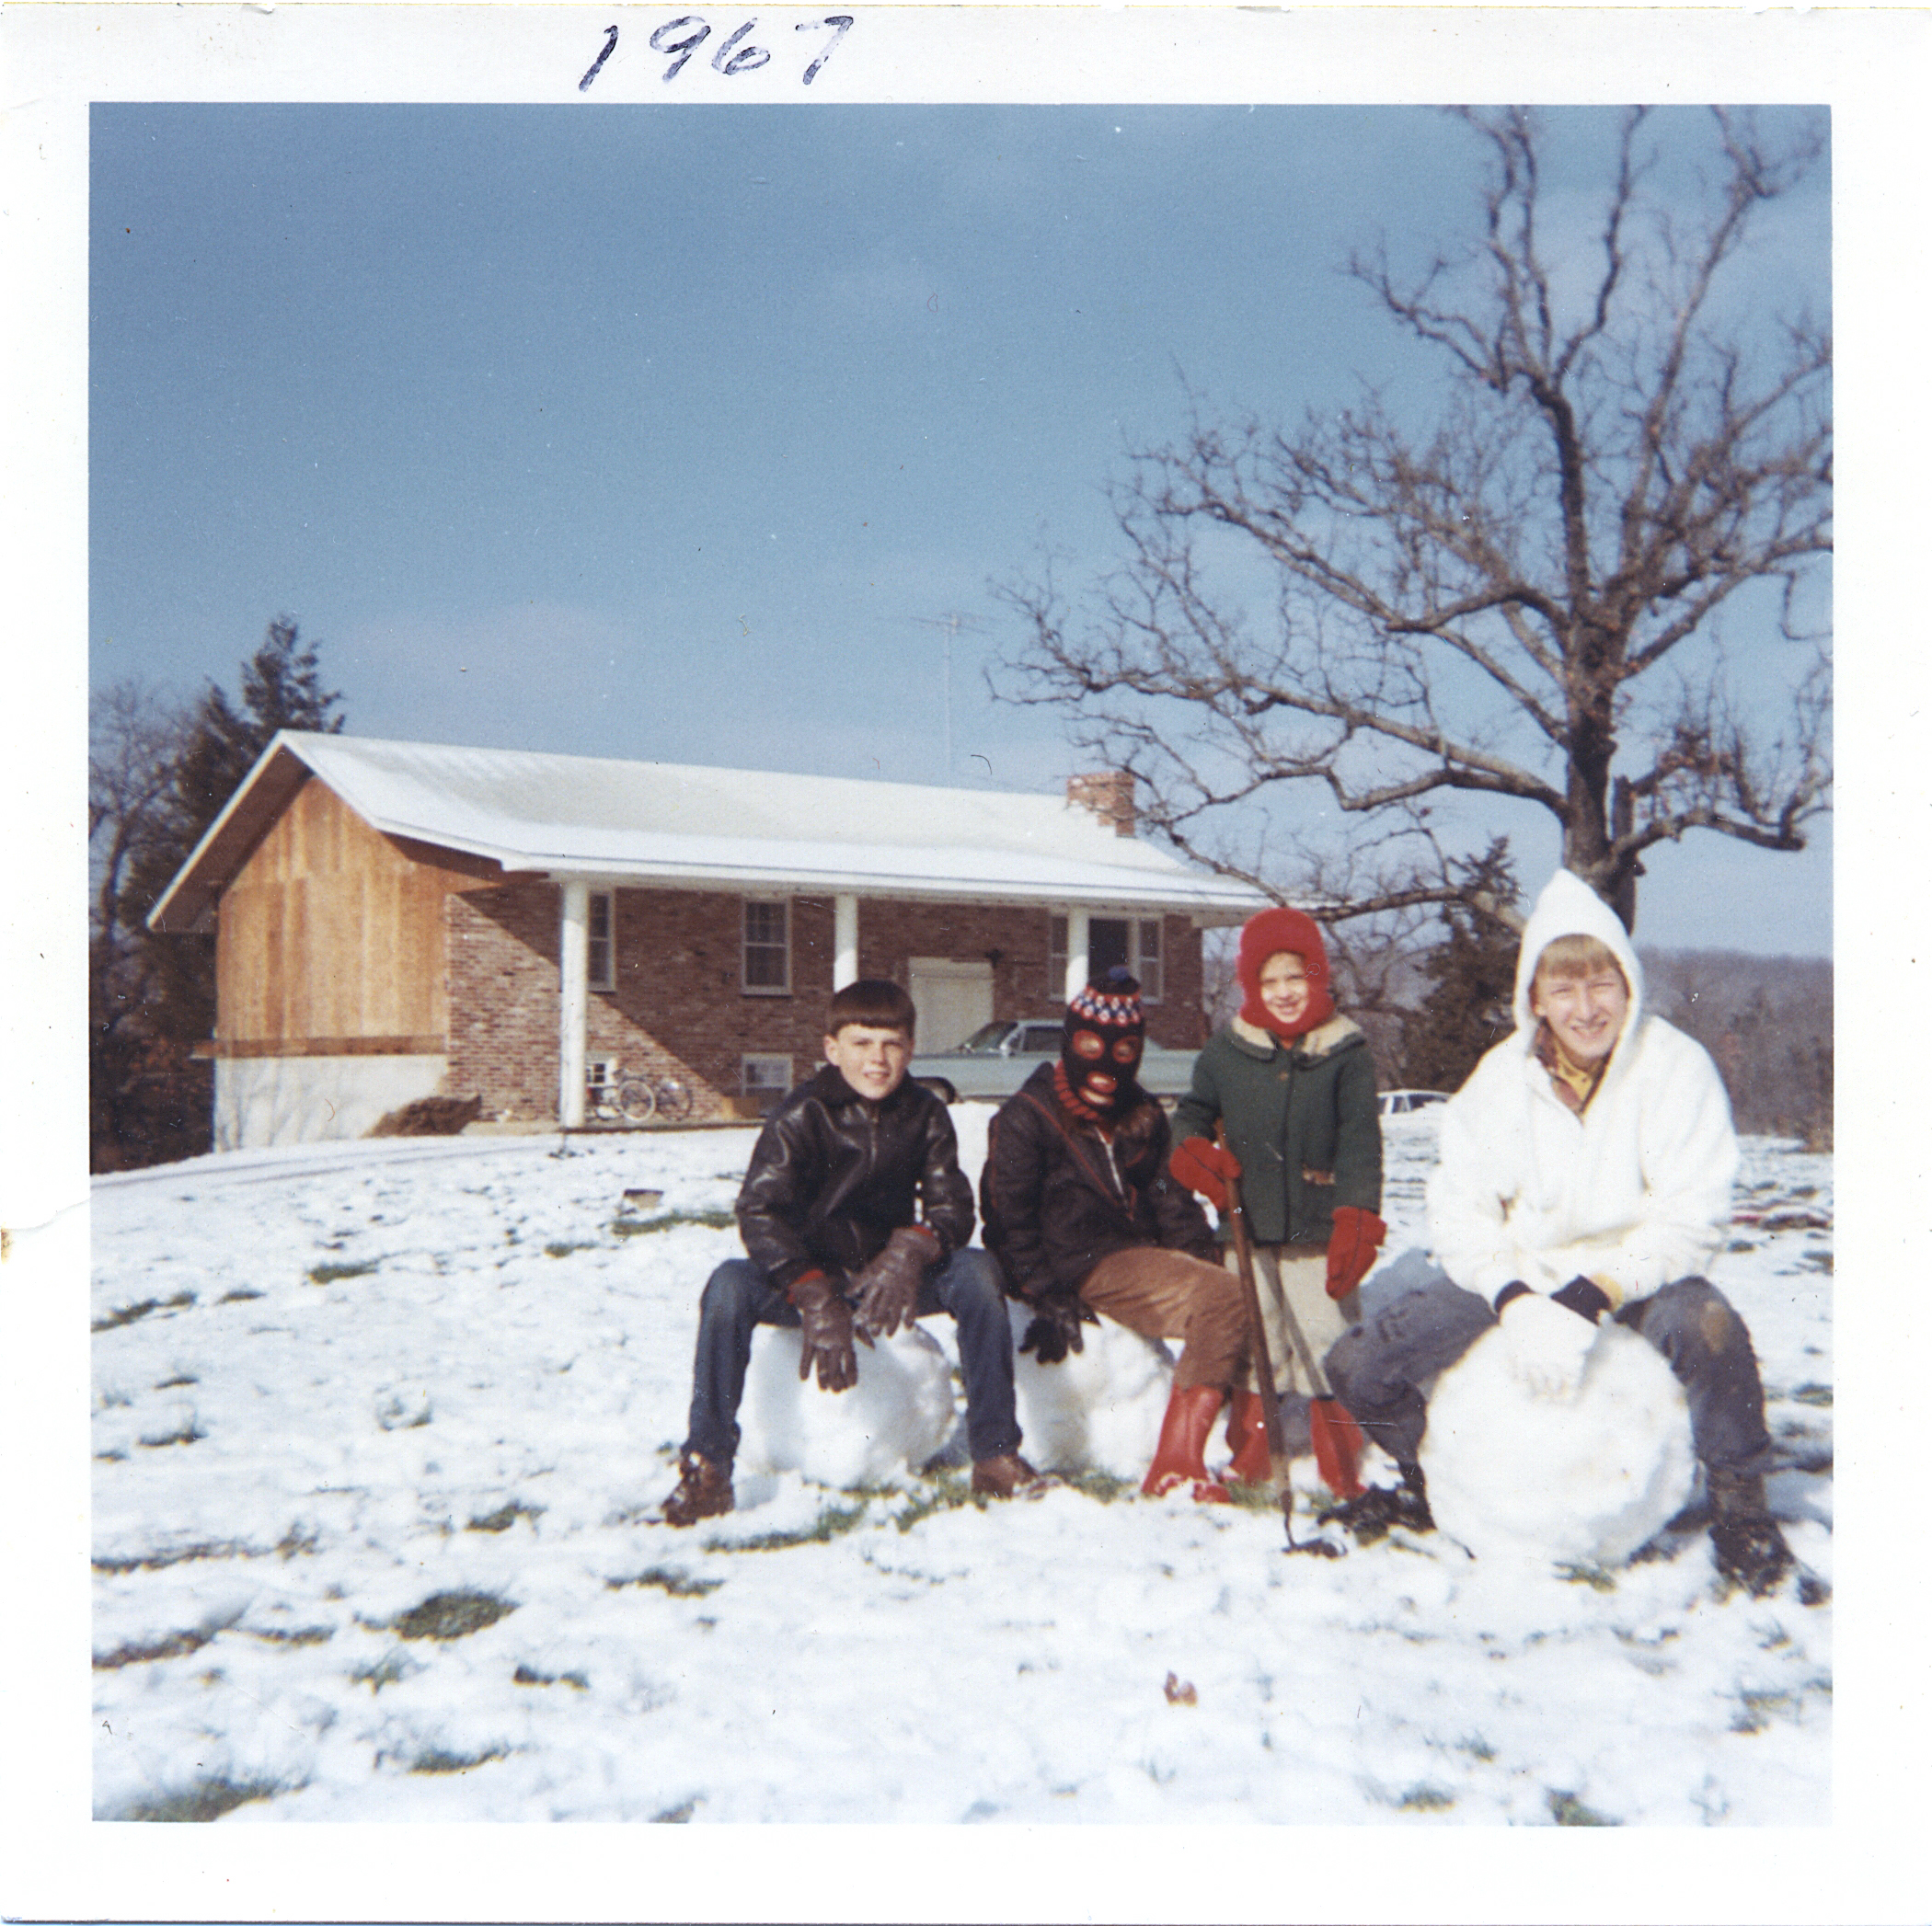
x: 677, y: 824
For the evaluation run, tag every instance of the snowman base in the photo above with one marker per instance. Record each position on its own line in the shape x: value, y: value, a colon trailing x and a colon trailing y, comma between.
x: 1585, y: 1482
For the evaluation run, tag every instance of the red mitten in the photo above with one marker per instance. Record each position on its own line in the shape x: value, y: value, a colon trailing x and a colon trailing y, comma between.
x: 1353, y: 1244
x: 1205, y: 1169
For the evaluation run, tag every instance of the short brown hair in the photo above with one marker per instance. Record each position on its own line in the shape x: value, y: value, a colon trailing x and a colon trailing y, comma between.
x: 873, y: 1002
x: 1577, y: 954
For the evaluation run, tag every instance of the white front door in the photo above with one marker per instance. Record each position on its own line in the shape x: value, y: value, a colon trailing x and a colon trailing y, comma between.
x: 951, y: 1000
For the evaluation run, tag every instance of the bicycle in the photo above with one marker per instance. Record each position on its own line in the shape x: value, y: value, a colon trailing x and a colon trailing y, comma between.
x: 634, y: 1097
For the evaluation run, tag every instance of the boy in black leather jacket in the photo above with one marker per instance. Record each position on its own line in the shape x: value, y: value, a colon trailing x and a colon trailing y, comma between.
x: 856, y: 1216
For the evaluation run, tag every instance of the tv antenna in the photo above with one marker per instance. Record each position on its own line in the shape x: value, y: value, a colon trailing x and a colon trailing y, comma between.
x: 952, y: 625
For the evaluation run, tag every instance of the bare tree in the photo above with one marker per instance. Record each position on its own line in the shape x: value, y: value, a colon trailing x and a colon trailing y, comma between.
x: 1522, y: 599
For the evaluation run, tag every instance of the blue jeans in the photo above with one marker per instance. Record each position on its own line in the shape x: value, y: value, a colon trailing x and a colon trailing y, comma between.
x: 1376, y: 1367
x: 740, y: 1297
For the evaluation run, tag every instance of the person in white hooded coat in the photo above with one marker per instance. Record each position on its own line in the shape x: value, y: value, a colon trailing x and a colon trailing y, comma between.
x: 1585, y: 1171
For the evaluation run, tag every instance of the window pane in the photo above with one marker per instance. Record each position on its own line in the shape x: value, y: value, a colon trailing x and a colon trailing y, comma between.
x: 766, y: 952
x: 600, y: 961
x: 1148, y: 965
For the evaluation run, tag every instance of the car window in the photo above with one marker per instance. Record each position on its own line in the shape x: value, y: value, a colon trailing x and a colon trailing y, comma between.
x: 1043, y: 1039
x: 986, y: 1040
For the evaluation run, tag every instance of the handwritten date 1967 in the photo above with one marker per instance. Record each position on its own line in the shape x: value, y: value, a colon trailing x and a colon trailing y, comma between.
x: 682, y: 37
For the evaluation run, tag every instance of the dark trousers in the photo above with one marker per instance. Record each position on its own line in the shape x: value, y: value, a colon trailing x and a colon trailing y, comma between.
x: 740, y: 1297
x: 1378, y: 1368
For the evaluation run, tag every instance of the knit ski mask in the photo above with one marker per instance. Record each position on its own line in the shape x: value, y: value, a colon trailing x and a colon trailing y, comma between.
x: 1267, y: 936
x: 1100, y: 1051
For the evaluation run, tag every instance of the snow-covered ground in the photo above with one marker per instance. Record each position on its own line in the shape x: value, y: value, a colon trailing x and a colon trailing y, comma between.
x: 379, y: 1430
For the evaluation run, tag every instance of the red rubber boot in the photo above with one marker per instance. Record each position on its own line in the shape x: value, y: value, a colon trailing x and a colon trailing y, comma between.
x: 1181, y: 1453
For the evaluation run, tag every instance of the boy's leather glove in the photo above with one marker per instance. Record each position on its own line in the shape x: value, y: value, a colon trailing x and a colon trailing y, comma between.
x: 1353, y: 1244
x: 1205, y: 1169
x: 826, y: 1333
x: 1055, y: 1329
x: 888, y: 1287
x: 1547, y: 1342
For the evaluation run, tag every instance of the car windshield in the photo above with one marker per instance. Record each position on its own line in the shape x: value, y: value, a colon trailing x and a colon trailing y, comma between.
x: 985, y: 1041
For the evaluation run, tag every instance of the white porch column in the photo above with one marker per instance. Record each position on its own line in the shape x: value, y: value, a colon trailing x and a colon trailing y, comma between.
x: 844, y: 940
x: 573, y: 1002
x: 1076, y: 941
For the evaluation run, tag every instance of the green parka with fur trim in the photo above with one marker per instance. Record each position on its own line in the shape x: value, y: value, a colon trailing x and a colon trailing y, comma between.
x: 1301, y: 1118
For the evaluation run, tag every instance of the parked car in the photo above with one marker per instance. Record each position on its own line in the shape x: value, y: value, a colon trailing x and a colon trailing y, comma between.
x: 1406, y: 1102
x: 999, y: 1057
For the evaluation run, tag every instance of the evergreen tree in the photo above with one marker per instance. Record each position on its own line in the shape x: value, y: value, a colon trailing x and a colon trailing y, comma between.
x: 153, y: 997
x: 1473, y: 971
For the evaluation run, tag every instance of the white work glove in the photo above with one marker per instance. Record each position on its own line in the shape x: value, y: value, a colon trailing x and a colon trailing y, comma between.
x: 1548, y: 1344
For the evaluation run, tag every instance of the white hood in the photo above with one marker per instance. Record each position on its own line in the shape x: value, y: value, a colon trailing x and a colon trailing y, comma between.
x: 1570, y: 907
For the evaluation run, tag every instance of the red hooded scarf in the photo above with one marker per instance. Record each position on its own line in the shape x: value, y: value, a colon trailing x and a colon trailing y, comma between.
x: 1266, y: 936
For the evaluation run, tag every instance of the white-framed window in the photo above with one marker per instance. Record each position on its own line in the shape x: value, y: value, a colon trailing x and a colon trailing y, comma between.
x: 764, y: 1078
x: 599, y: 1073
x: 1146, y: 964
x: 601, y: 958
x: 1056, y: 958
x: 767, y: 948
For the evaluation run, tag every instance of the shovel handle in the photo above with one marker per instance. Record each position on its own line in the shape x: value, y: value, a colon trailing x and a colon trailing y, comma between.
x: 1258, y: 1336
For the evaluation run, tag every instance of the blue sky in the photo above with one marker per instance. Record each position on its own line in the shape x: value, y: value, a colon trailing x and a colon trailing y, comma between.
x: 672, y: 431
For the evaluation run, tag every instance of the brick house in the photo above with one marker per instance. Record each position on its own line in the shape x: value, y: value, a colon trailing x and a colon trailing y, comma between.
x: 397, y: 920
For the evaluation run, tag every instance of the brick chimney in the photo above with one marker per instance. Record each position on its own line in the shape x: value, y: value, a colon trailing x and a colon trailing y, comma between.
x: 1109, y: 794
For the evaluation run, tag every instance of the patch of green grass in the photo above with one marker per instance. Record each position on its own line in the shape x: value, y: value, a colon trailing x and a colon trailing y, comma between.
x: 176, y: 1645
x: 834, y: 1521
x: 203, y: 1802
x: 1566, y: 1810
x: 679, y: 1584
x: 133, y: 1313
x: 186, y: 1433
x: 523, y: 1675
x: 946, y: 1491
x: 1594, y: 1575
x: 438, y: 1761
x: 1758, y: 1709
x: 1425, y: 1798
x: 445, y: 1615
x: 239, y: 1296
x: 564, y: 1250
x: 335, y: 1273
x: 303, y: 1636
x: 1102, y: 1487
x: 644, y: 1227
x: 391, y: 1668
x: 506, y: 1516
x: 1811, y: 1395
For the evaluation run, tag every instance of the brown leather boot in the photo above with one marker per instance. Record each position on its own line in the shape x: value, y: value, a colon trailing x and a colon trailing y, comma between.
x: 1247, y: 1438
x: 704, y: 1490
x: 1751, y: 1550
x: 1007, y: 1476
x: 1181, y: 1453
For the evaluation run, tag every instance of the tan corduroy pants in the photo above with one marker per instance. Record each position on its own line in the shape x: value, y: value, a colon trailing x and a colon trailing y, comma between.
x: 1167, y: 1294
x: 1299, y: 1273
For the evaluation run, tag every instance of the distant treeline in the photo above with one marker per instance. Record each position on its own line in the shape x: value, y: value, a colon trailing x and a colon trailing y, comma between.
x: 1767, y: 1020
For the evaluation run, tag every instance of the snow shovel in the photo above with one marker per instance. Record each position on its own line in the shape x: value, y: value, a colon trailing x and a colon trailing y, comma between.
x: 1264, y: 1367
x: 1337, y: 1438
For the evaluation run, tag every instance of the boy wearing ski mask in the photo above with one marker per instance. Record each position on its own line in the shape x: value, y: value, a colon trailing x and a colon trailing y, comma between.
x: 1080, y: 1210
x: 1585, y: 1173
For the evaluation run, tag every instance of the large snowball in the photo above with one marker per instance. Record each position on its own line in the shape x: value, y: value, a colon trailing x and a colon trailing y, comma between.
x: 899, y: 1413
x: 1583, y: 1483
x: 1099, y: 1410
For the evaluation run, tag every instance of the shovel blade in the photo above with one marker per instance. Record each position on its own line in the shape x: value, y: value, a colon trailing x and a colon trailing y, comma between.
x: 1339, y: 1446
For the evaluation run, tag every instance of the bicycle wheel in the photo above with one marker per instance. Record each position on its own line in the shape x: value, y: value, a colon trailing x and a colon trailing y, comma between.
x: 674, y: 1098
x: 636, y: 1101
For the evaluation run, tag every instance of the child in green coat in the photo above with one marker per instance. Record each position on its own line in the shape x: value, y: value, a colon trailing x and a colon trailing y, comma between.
x: 1293, y: 1086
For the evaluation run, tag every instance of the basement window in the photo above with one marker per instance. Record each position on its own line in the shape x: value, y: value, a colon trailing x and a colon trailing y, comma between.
x: 601, y: 965
x: 767, y: 948
x: 765, y: 1080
